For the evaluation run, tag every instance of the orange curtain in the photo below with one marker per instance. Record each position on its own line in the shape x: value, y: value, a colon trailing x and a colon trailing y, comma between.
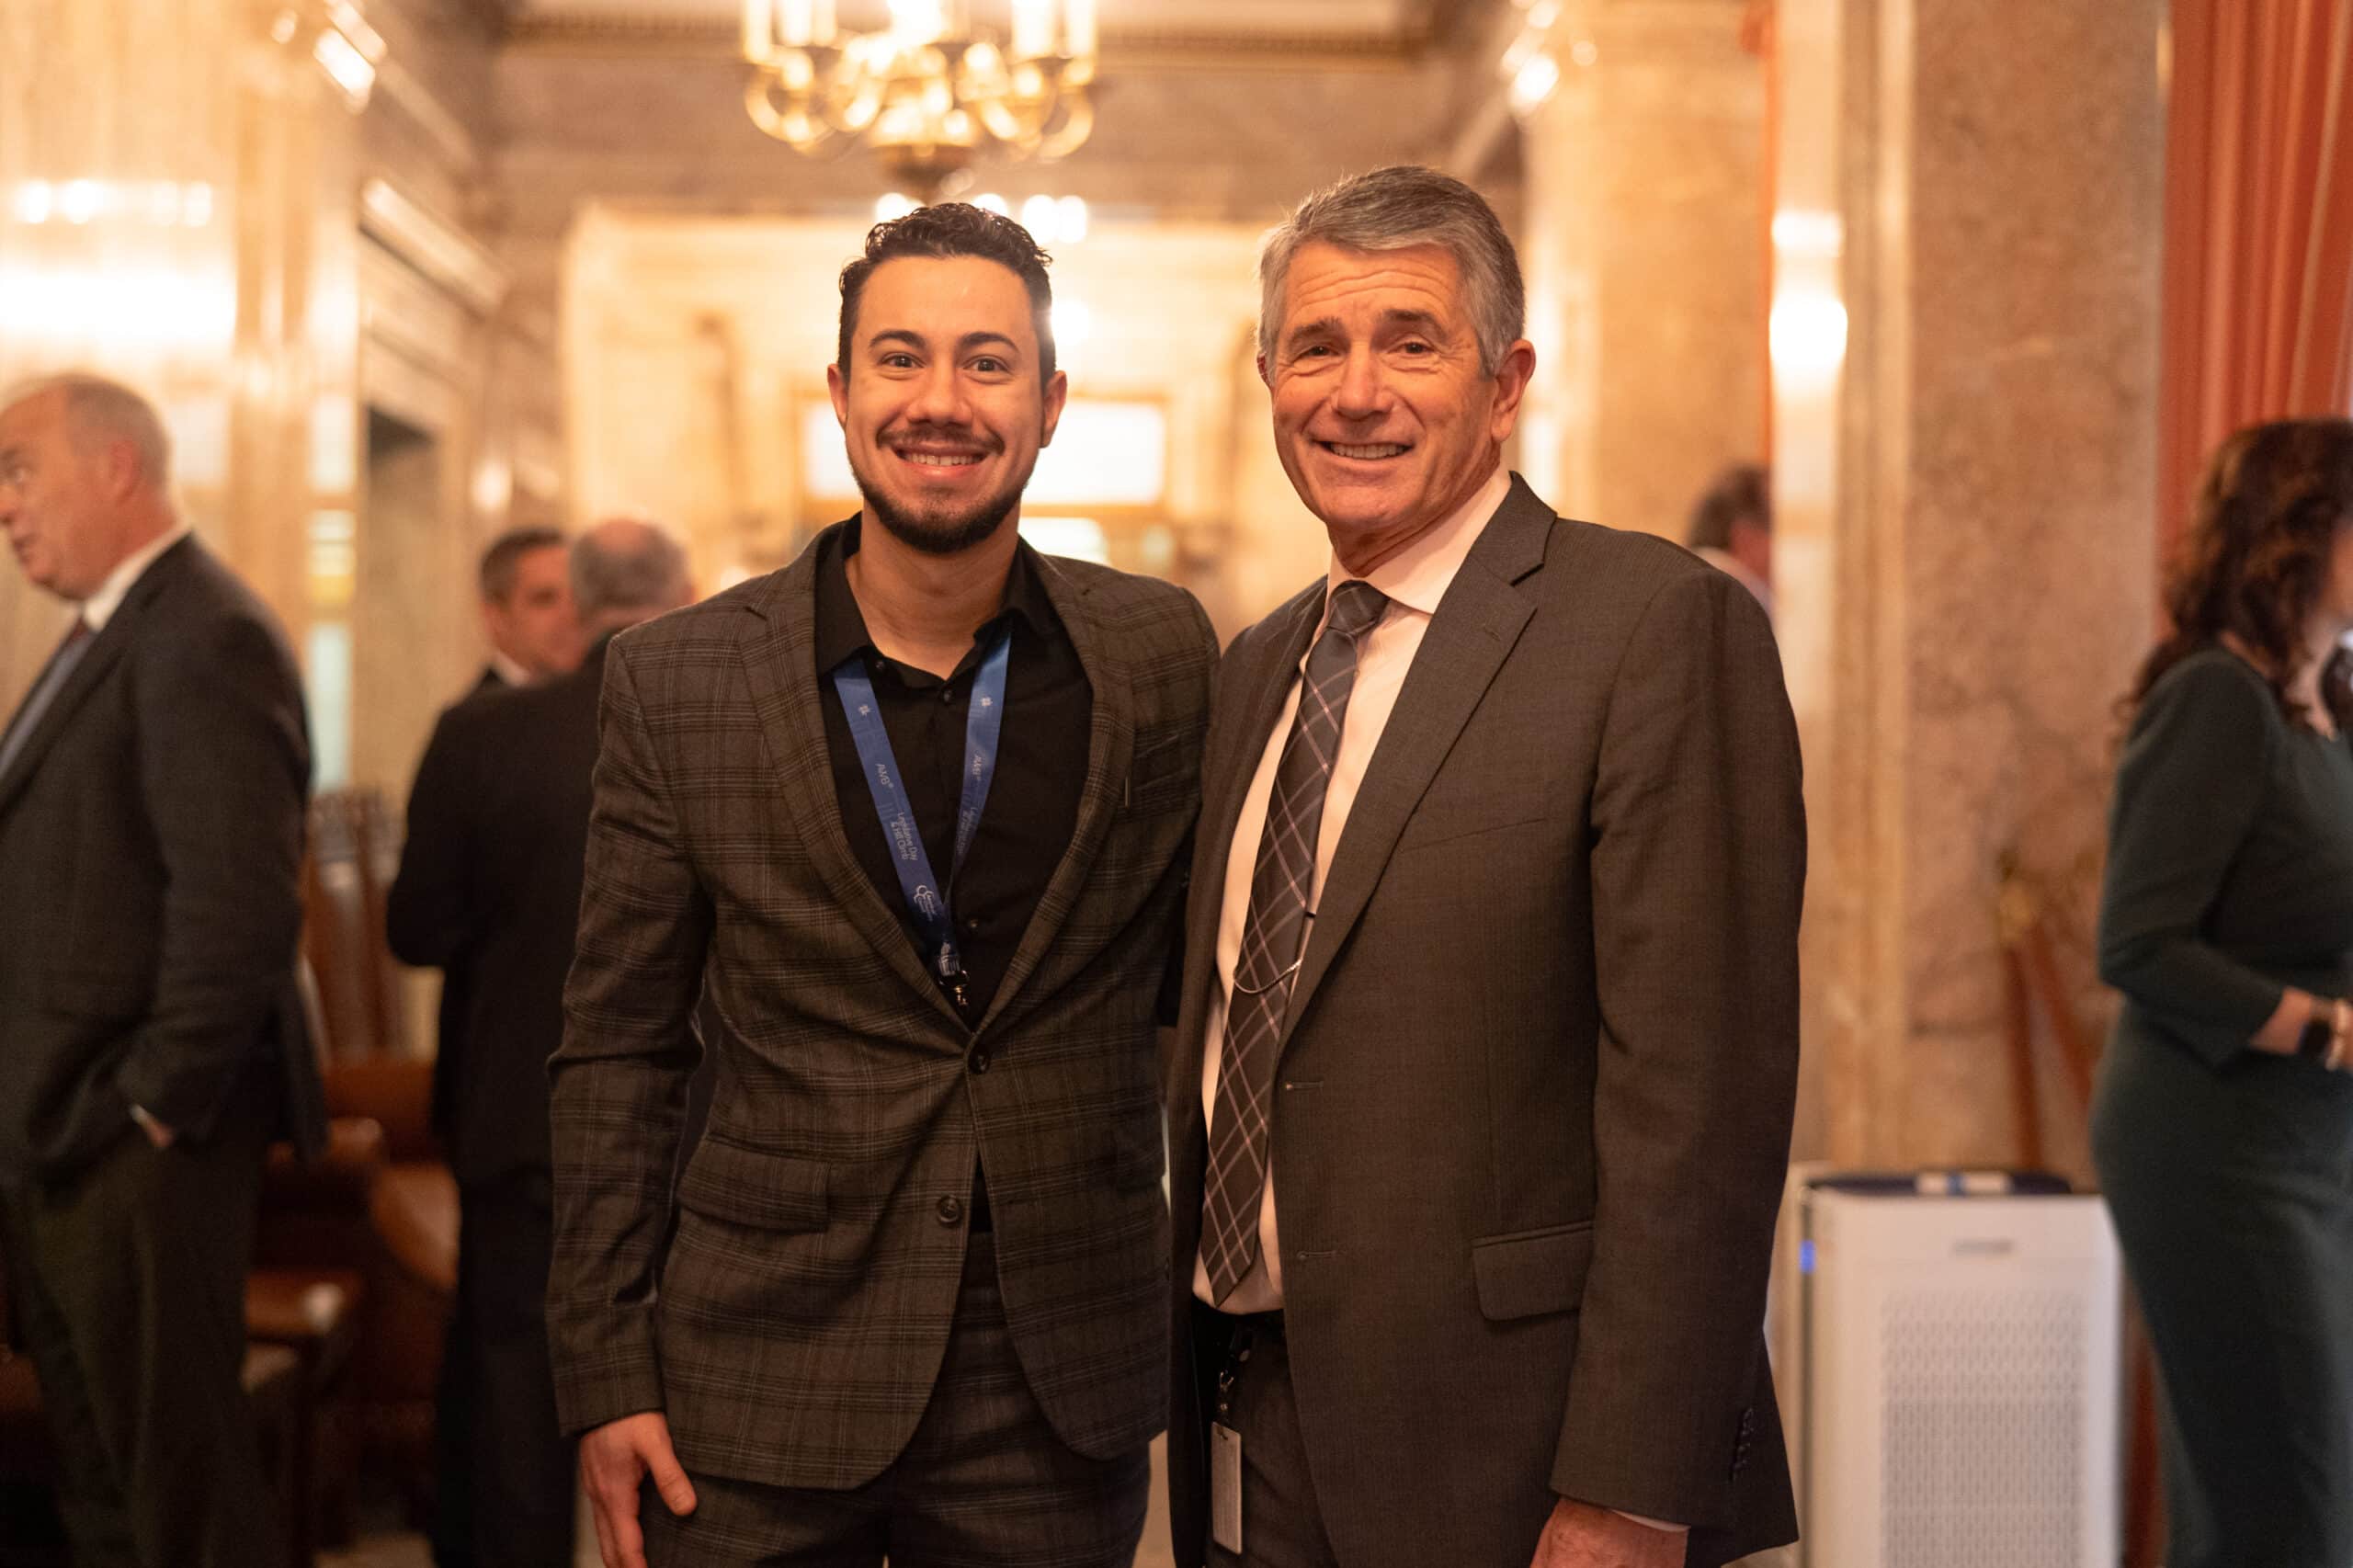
x: 2258, y: 258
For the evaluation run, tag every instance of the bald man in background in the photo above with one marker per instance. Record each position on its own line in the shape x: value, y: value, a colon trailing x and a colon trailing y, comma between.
x: 490, y: 884
x: 151, y: 1034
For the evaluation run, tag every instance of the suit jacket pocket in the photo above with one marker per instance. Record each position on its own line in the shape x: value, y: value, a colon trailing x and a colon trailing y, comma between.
x: 1163, y: 772
x: 1429, y: 829
x: 753, y: 1186
x: 1531, y: 1272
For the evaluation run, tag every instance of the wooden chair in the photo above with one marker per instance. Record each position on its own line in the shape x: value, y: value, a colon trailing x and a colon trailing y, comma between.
x: 396, y: 1231
x: 336, y: 930
x: 379, y: 837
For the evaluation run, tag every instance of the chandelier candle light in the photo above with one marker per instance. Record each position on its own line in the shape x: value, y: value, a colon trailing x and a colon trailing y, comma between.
x: 927, y: 93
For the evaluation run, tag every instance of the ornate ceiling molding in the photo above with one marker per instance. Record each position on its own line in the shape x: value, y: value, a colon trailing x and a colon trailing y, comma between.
x: 495, y: 17
x: 435, y: 248
x: 648, y: 33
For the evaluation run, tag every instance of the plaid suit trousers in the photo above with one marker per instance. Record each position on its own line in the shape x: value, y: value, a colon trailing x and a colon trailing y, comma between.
x: 984, y: 1482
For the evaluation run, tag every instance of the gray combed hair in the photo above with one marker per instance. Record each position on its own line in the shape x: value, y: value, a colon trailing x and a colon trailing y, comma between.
x: 1393, y: 209
x: 99, y: 409
x: 627, y: 565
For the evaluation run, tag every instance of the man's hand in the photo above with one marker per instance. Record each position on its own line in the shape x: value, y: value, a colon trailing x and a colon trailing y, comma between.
x: 157, y: 1133
x: 614, y: 1461
x: 1579, y: 1535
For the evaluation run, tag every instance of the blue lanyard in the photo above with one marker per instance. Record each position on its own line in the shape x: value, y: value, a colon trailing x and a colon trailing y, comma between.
x: 925, y: 894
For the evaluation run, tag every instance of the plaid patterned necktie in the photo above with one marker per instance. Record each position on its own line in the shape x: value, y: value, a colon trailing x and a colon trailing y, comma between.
x: 1273, y: 938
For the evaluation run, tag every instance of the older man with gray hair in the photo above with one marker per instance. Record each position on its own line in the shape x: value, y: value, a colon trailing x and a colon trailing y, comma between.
x: 151, y: 1034
x: 1488, y: 1044
x: 490, y: 884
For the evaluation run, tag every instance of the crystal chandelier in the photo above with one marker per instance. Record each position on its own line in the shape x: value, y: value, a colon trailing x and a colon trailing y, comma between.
x: 928, y: 92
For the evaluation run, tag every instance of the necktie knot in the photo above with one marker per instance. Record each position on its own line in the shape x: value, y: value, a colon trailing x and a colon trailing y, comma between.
x: 1355, y: 608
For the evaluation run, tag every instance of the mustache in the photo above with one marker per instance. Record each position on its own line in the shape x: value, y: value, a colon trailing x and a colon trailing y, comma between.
x: 973, y: 442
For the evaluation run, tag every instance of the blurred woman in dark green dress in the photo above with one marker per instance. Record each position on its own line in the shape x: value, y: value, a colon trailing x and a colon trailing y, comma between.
x: 2223, y: 1123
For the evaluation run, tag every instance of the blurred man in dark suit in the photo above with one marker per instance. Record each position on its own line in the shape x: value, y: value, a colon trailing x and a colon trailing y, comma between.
x: 525, y: 583
x: 490, y: 881
x: 534, y: 635
x: 526, y: 611
x: 152, y: 1035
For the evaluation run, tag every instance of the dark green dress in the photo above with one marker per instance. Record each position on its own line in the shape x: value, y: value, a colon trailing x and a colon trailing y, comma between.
x: 2229, y: 1170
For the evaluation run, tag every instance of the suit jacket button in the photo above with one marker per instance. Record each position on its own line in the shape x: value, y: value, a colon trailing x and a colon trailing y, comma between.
x: 981, y: 1063
x: 951, y: 1211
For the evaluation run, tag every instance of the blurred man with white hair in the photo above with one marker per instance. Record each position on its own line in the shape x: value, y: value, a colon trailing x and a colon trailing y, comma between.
x: 152, y: 788
x: 489, y: 886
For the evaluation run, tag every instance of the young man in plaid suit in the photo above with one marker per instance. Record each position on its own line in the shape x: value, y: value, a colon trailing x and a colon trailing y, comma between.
x: 907, y: 819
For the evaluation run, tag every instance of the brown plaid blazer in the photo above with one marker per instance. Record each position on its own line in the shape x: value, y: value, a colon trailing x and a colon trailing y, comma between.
x: 791, y: 1319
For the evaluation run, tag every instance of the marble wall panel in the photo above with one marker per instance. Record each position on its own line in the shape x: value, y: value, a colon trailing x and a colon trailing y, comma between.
x: 165, y: 167
x: 453, y: 352
x: 180, y: 206
x: 1681, y: 256
x: 1981, y: 573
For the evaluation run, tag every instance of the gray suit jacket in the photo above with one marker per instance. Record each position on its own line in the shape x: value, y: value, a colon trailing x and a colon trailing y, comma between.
x: 793, y: 1325
x: 1533, y: 1105
x: 151, y: 851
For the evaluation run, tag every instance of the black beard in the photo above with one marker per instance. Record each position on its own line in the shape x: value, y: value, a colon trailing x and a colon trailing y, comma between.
x: 951, y: 534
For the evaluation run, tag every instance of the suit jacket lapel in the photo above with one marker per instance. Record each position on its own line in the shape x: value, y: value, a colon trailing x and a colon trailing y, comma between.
x: 778, y: 643
x: 1477, y: 624
x: 1250, y: 699
x: 106, y: 650
x: 1110, y: 747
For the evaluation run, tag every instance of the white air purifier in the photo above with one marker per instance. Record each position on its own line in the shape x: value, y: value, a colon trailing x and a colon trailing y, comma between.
x: 1947, y: 1355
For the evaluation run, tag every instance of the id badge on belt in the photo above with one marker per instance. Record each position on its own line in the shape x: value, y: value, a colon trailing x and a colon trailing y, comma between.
x: 1225, y: 1487
x: 1225, y: 1452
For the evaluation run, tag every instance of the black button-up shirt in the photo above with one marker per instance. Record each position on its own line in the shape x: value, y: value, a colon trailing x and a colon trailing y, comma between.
x: 1032, y: 809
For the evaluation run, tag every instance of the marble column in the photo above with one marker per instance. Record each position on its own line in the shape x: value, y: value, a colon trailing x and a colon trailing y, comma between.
x: 1964, y: 344
x: 1642, y: 242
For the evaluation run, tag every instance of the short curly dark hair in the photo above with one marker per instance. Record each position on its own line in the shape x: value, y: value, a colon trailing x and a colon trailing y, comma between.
x: 947, y: 228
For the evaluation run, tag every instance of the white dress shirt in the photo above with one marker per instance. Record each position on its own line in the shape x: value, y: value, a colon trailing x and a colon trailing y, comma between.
x: 1414, y: 579
x: 99, y: 608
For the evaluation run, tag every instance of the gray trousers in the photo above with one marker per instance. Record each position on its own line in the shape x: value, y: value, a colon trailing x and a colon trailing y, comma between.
x: 984, y: 1483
